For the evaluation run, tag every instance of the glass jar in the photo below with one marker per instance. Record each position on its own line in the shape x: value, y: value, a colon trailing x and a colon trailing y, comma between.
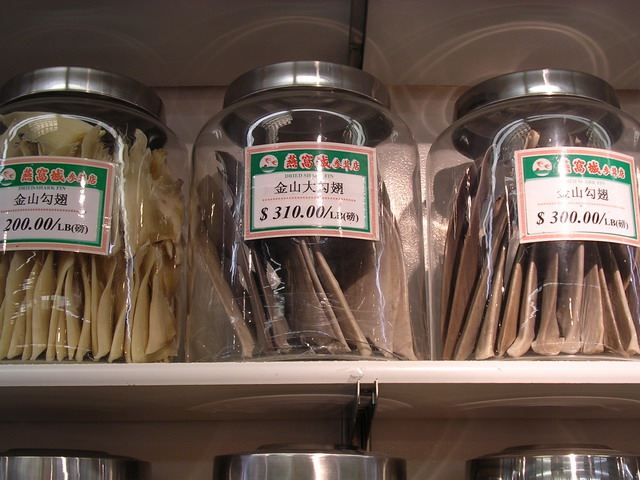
x: 299, y: 462
x: 93, y: 220
x: 320, y: 254
x: 555, y: 463
x: 69, y: 465
x: 534, y: 221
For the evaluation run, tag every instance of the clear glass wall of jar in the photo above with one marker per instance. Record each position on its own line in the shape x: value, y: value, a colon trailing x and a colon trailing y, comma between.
x: 92, y: 195
x: 534, y: 221
x: 305, y: 221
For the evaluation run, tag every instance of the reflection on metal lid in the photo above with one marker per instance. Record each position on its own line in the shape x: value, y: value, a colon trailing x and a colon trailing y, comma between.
x: 306, y: 74
x: 82, y: 80
x: 69, y: 465
x: 544, y: 82
x: 555, y: 462
x: 289, y: 462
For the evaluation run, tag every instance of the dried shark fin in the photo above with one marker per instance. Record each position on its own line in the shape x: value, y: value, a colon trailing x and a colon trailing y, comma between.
x: 42, y: 306
x: 29, y: 297
x: 104, y: 320
x: 485, y: 347
x: 468, y: 266
x: 473, y: 321
x: 5, y: 260
x: 509, y: 326
x: 19, y: 270
x: 632, y: 291
x: 306, y: 313
x: 121, y: 307
x: 571, y: 279
x: 162, y: 322
x: 475, y: 316
x: 223, y: 235
x: 148, y: 182
x: 592, y: 327
x: 139, y: 262
x: 371, y: 276
x: 96, y: 291
x: 456, y: 231
x: 73, y: 309
x: 548, y: 340
x: 257, y: 308
x: 91, y: 145
x: 55, y: 134
x: 84, y: 342
x: 320, y: 293
x: 19, y: 339
x: 75, y: 325
x: 613, y: 340
x: 528, y: 307
x: 625, y: 260
x: 211, y: 264
x: 57, y: 346
x: 621, y: 310
x: 140, y: 320
x: 348, y: 323
x: 524, y: 138
x: 274, y: 309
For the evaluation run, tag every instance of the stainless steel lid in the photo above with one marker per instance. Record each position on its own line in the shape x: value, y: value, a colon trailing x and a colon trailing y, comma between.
x: 295, y: 463
x: 82, y: 80
x: 69, y: 465
x: 584, y: 462
x: 545, y: 82
x: 307, y: 74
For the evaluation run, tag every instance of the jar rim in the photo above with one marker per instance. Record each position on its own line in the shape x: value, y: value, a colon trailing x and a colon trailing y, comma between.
x: 569, y: 461
x: 306, y: 74
x: 534, y: 83
x: 82, y: 81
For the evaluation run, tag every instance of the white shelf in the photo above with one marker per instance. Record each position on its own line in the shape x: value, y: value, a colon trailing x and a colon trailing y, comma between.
x: 278, y: 390
x: 577, y: 372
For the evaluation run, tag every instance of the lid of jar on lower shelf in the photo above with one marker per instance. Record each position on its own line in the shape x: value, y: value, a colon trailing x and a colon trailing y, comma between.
x: 306, y: 74
x: 555, y: 462
x: 82, y: 80
x: 544, y: 82
x: 289, y: 462
x: 69, y: 465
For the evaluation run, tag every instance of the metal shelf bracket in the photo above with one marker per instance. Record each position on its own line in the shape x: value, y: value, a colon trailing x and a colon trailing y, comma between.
x: 358, y: 416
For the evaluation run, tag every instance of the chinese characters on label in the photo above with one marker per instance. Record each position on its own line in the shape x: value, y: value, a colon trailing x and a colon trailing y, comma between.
x: 45, y: 199
x: 597, y: 167
x: 336, y: 188
x: 584, y: 192
x: 305, y: 188
x: 57, y: 175
x: 571, y: 193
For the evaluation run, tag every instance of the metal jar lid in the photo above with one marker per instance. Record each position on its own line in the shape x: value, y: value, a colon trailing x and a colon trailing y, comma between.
x: 82, y: 80
x: 584, y: 462
x: 545, y: 82
x: 69, y: 465
x: 307, y: 74
x: 297, y: 463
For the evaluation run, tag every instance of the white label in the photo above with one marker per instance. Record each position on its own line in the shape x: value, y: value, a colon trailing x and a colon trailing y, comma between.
x: 570, y: 193
x: 56, y: 203
x: 306, y: 188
